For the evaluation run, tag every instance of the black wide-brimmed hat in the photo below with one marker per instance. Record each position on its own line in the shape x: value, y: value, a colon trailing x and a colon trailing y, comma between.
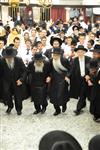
x: 38, y: 56
x: 80, y: 47
x: 49, y: 139
x: 94, y: 143
x: 9, y: 52
x: 55, y: 39
x: 57, y: 50
x: 96, y: 48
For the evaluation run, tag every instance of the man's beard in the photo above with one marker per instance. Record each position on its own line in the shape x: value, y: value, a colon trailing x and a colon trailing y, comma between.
x: 10, y: 63
x: 58, y: 66
x: 39, y: 68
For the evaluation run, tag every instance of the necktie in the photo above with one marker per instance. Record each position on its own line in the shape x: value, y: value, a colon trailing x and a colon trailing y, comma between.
x: 27, y: 52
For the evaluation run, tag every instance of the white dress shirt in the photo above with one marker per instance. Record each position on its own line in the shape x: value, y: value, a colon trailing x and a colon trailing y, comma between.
x: 1, y: 52
x: 82, y: 66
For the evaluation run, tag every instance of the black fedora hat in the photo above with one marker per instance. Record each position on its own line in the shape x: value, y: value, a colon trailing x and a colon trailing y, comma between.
x: 96, y: 48
x: 9, y: 52
x: 55, y: 39
x: 94, y: 143
x: 38, y: 56
x: 49, y: 139
x: 57, y: 50
x: 80, y: 47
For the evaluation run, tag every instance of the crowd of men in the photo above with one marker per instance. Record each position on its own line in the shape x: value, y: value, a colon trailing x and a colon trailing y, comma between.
x: 53, y: 62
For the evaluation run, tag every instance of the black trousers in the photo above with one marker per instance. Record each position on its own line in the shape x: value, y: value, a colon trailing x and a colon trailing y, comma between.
x: 84, y: 93
x: 39, y: 106
x: 18, y: 103
x: 57, y: 107
x: 11, y: 96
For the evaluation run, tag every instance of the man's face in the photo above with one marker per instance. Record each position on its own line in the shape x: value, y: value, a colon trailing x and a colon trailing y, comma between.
x: 89, y: 46
x: 44, y: 41
x: 16, y: 43
x: 26, y: 36
x: 44, y: 32
x: 80, y: 53
x: 10, y: 59
x: 73, y: 47
x: 92, y: 36
x: 81, y: 39
x: 39, y: 62
x: 93, y: 71
x: 76, y: 32
x: 28, y: 44
x: 33, y: 33
x: 39, y: 46
x: 96, y: 55
x: 34, y: 50
x: 69, y: 40
x: 56, y: 44
x: 56, y: 56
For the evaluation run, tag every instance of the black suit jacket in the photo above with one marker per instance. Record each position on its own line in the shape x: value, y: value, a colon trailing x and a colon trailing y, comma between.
x: 76, y: 76
x: 9, y: 78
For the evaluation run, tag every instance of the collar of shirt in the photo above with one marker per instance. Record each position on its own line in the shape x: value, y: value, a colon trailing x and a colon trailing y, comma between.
x: 0, y: 52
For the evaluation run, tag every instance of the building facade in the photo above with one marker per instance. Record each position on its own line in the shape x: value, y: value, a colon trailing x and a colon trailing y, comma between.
x: 57, y: 9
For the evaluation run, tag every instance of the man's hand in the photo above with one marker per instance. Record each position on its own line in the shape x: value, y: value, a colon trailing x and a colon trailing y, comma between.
x: 18, y: 82
x: 67, y: 79
x: 48, y: 79
x: 87, y: 77
x: 99, y: 82
x: 90, y: 83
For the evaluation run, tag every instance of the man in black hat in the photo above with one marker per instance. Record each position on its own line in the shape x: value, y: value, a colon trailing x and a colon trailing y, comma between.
x: 13, y: 72
x: 39, y: 70
x: 79, y: 72
x: 55, y: 42
x: 60, y: 72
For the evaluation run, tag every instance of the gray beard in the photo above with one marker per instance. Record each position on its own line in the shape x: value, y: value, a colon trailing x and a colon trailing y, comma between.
x: 38, y: 68
x: 10, y: 64
x: 58, y: 66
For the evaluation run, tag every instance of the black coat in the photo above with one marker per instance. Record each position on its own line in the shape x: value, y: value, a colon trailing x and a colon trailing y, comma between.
x: 37, y: 82
x: 58, y: 91
x: 95, y: 96
x: 9, y: 78
x: 75, y: 77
